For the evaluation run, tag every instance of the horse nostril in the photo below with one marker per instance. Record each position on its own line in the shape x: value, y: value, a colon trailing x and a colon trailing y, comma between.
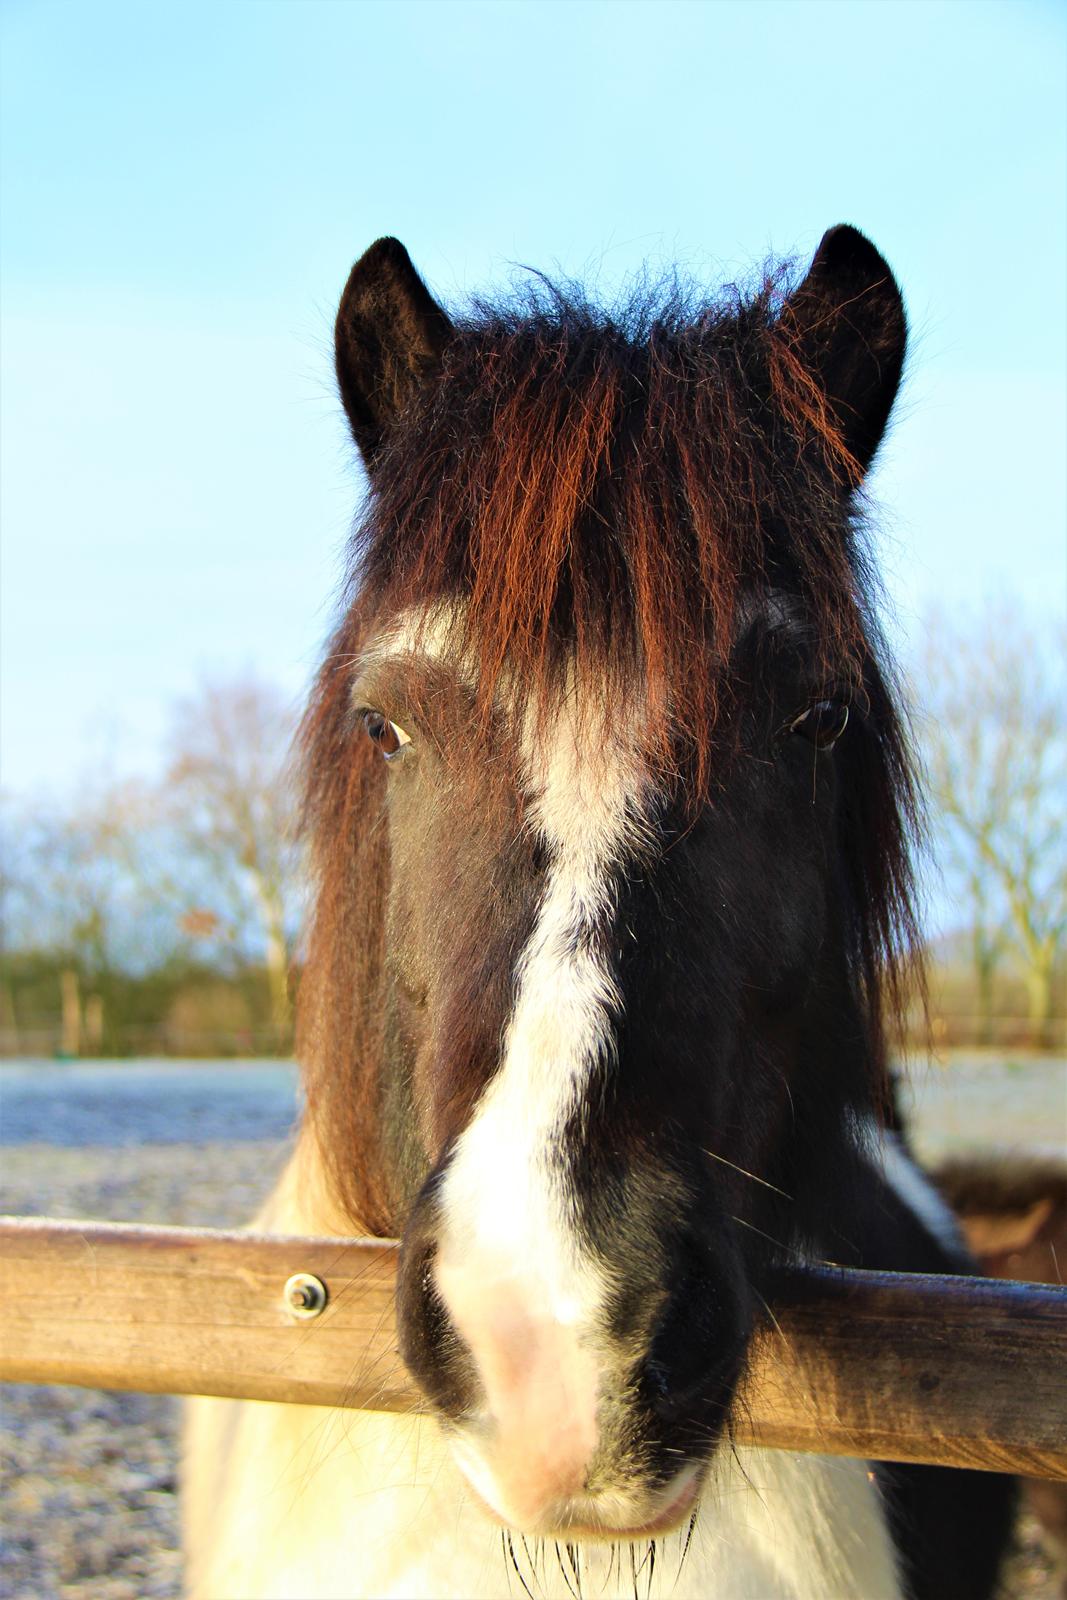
x: 427, y: 1337
x: 698, y: 1346
x: 672, y: 1396
x: 434, y: 1316
x: 657, y: 1388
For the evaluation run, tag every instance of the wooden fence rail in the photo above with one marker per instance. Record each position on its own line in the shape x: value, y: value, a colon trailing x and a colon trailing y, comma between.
x: 956, y: 1371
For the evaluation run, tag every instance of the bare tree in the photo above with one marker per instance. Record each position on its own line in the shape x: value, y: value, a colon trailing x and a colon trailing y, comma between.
x: 994, y: 691
x: 229, y: 801
x: 73, y: 889
x: 116, y: 881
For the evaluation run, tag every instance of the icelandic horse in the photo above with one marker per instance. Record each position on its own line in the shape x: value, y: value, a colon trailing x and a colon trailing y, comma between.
x: 609, y: 804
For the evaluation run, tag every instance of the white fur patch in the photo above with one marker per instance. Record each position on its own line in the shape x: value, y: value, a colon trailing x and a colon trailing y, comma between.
x: 509, y: 1234
x: 365, y: 1506
x: 909, y: 1183
x: 424, y: 633
x: 503, y: 1195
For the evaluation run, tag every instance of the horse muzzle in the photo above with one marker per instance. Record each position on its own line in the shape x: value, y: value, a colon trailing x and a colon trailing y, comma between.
x: 562, y: 1423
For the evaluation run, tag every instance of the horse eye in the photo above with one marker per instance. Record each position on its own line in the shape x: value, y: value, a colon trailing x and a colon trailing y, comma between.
x: 822, y: 723
x: 390, y: 739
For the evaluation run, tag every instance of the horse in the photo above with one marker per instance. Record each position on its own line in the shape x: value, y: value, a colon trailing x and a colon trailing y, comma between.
x: 610, y: 813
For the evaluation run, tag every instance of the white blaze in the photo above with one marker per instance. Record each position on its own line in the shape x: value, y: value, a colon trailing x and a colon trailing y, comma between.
x: 520, y: 1288
x: 510, y: 1266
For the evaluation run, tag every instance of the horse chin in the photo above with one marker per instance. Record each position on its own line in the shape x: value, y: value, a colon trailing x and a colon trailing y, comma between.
x: 609, y: 1514
x: 669, y: 1509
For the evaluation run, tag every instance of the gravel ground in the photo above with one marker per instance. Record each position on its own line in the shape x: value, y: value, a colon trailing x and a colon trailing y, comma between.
x: 88, y: 1478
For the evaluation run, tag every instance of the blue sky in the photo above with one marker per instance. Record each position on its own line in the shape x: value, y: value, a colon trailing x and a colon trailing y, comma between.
x: 185, y: 187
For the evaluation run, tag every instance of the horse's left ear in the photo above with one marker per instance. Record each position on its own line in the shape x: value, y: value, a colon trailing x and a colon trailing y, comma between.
x: 847, y: 321
x: 388, y: 340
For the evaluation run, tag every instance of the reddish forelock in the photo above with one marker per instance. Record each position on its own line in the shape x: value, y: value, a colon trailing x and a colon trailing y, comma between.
x: 598, y: 494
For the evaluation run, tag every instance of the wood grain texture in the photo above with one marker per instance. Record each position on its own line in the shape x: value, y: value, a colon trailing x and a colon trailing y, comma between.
x: 194, y: 1311
x: 954, y: 1371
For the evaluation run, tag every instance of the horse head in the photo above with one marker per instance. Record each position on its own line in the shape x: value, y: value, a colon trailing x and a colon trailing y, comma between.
x: 610, y: 802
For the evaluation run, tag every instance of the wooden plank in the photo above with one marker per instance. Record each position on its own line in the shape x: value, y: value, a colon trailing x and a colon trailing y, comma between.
x: 968, y: 1372
x: 195, y: 1311
x: 954, y: 1371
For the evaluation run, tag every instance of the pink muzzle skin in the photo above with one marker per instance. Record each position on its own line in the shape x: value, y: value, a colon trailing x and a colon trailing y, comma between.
x: 540, y: 1385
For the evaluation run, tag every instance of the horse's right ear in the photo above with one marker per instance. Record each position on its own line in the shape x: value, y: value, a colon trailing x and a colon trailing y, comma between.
x: 388, y: 340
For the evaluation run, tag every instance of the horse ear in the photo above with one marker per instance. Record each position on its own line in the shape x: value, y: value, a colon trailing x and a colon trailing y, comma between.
x: 847, y: 318
x: 388, y: 340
